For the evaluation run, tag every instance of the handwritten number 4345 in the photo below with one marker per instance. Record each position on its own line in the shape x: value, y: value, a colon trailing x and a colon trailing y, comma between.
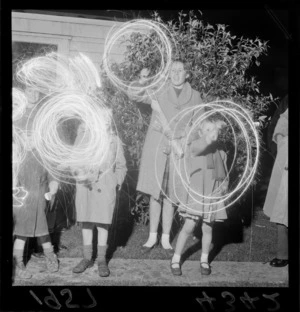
x: 246, y: 300
x: 53, y: 303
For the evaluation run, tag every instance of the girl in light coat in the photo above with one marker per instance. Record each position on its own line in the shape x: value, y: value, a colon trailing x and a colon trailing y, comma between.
x: 276, y: 204
x: 95, y: 202
x: 208, y: 177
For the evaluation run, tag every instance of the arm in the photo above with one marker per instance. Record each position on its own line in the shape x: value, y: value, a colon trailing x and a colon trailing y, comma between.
x: 137, y: 95
x: 53, y: 186
x: 120, y: 168
x: 281, y: 129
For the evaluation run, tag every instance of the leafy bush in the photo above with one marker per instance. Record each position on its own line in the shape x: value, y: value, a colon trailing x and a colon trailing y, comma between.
x: 218, y: 63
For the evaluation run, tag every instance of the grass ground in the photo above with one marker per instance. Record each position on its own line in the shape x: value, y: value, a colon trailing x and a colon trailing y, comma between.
x: 247, y: 235
x: 232, y: 242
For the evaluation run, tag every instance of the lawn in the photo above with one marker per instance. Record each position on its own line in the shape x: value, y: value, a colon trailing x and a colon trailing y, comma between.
x: 247, y: 235
x: 232, y: 241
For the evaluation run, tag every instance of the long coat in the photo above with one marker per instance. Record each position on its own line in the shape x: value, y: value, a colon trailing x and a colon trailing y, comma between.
x: 154, y: 158
x: 201, y: 185
x: 96, y: 202
x: 276, y: 203
x: 30, y: 219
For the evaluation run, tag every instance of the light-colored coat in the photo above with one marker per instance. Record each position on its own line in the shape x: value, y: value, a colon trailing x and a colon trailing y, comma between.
x: 98, y: 203
x: 276, y: 204
x: 154, y: 158
x: 201, y: 187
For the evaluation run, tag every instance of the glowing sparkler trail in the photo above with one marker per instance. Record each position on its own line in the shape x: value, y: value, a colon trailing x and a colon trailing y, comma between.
x: 55, y: 154
x: 55, y: 72
x: 69, y: 86
x: 19, y: 102
x: 155, y: 83
x: 230, y: 111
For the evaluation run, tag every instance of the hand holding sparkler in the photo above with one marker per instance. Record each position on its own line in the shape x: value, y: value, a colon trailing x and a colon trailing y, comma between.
x: 167, y: 129
x: 53, y: 187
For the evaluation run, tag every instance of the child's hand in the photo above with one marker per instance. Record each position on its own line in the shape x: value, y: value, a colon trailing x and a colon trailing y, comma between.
x: 53, y: 187
x: 48, y: 196
x: 155, y: 105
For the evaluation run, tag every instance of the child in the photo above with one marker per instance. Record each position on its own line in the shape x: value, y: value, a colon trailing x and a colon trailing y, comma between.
x: 95, y: 203
x: 207, y: 177
x: 276, y: 203
x: 29, y: 214
x: 157, y: 162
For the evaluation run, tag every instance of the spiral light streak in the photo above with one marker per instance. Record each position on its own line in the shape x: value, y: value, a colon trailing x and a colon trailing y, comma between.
x: 19, y: 147
x: 48, y: 73
x: 86, y: 77
x: 19, y: 199
x: 19, y: 101
x: 55, y: 72
x: 243, y: 120
x: 69, y: 86
x: 196, y: 125
x: 56, y: 155
x: 155, y: 83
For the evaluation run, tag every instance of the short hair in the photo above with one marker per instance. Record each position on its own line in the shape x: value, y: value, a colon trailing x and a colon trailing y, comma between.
x: 186, y: 65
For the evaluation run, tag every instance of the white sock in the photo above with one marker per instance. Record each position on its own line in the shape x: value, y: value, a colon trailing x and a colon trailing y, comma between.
x: 151, y: 240
x: 204, y: 258
x: 165, y: 241
x: 176, y: 258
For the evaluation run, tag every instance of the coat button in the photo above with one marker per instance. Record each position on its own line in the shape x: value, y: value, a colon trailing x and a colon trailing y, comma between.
x: 99, y: 190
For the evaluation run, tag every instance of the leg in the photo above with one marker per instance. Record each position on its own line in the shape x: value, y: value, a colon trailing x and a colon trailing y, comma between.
x: 50, y: 256
x: 87, y: 249
x: 167, y: 219
x: 282, y: 256
x: 185, y: 232
x: 102, y: 247
x: 206, y: 242
x: 18, y: 252
x: 154, y: 214
x: 282, y: 242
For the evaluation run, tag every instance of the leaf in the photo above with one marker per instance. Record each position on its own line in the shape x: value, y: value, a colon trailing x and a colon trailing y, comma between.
x: 262, y: 117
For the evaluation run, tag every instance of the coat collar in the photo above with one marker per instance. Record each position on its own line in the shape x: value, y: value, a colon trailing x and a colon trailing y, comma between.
x: 184, y: 97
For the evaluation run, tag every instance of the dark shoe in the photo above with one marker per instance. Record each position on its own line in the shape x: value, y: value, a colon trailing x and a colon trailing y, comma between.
x: 38, y: 254
x: 169, y: 251
x: 278, y: 263
x: 145, y: 249
x: 204, y: 270
x: 176, y: 270
x: 83, y: 265
x: 22, y: 272
x: 52, y: 262
x: 103, y: 269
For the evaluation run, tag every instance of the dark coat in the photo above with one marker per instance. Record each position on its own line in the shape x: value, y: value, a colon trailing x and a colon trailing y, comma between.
x: 30, y: 218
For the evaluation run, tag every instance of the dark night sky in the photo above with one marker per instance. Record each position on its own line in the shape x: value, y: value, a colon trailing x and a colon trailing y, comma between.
x: 250, y: 23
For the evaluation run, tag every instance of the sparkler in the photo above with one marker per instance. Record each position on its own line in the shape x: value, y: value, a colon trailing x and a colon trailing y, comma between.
x: 69, y: 86
x: 165, y: 40
x: 19, y: 146
x: 230, y: 111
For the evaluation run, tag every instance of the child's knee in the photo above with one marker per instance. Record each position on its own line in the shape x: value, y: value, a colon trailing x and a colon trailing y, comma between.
x: 189, y: 226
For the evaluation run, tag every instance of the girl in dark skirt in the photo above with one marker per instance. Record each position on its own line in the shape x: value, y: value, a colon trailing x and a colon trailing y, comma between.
x: 29, y: 213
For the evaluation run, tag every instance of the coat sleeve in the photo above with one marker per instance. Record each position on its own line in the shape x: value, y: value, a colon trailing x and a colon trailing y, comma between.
x: 120, y: 168
x: 281, y: 127
x: 134, y: 95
